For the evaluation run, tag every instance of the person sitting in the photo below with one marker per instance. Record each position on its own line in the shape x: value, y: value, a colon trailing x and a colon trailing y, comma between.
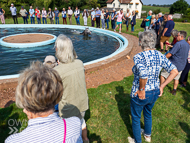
x: 174, y: 35
x: 50, y: 61
x: 71, y: 71
x: 146, y: 88
x: 39, y: 89
x: 178, y: 56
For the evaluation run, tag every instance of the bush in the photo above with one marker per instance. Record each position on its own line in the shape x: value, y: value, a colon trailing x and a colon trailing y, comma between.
x: 156, y: 11
x: 181, y: 20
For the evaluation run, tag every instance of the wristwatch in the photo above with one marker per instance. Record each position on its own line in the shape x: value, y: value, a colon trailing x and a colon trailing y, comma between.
x: 141, y: 89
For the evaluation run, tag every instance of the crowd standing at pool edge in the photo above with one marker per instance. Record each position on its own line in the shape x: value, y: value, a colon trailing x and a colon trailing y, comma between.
x: 53, y: 94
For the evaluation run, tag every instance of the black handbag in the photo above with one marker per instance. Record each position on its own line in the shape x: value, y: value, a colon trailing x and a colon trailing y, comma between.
x: 143, y: 24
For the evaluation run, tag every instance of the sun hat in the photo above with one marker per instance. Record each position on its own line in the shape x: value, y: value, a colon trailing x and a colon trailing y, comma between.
x: 51, y: 61
x: 92, y: 9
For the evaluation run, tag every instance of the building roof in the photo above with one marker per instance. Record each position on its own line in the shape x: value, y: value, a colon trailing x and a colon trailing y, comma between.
x: 122, y: 1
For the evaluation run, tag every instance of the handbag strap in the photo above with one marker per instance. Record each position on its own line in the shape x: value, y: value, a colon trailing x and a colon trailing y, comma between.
x: 65, y: 130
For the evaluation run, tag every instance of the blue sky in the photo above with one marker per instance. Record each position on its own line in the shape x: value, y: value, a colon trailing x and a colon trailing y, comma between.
x: 160, y: 1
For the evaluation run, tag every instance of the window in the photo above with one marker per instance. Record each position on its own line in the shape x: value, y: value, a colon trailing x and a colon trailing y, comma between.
x: 113, y: 4
x: 136, y: 6
x: 130, y: 5
x: 119, y: 5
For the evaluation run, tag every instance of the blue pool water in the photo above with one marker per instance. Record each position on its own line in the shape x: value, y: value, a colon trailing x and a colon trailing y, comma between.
x: 13, y: 60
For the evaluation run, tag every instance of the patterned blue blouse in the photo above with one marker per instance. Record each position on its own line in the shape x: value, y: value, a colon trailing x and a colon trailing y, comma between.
x: 148, y: 64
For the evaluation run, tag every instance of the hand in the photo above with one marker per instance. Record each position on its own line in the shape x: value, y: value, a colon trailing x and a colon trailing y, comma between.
x: 161, y: 91
x: 163, y: 34
x: 141, y: 94
x: 132, y: 23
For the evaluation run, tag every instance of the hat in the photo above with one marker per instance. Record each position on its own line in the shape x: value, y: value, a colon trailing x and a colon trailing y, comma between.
x: 50, y: 61
x: 97, y: 8
x: 92, y: 9
x: 12, y: 4
x: 22, y: 6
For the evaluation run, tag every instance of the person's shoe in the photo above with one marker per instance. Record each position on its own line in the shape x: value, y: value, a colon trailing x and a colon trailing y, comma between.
x: 131, y: 140
x: 182, y: 85
x: 85, y: 141
x: 104, y: 28
x: 119, y: 32
x: 166, y: 50
x: 114, y: 30
x: 142, y: 132
x: 161, y: 50
x: 147, y: 139
x: 173, y: 92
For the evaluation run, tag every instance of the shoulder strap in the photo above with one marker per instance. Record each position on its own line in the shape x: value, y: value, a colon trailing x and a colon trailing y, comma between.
x: 65, y: 130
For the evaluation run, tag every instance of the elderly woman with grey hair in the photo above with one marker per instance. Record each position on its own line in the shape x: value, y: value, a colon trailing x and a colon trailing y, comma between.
x: 146, y: 88
x: 71, y: 71
x: 39, y: 89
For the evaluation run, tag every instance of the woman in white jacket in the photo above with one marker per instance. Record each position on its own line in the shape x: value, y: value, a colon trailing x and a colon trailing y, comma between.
x: 85, y: 17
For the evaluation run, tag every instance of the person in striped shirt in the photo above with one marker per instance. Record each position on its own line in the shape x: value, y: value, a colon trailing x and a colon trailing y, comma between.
x: 39, y: 89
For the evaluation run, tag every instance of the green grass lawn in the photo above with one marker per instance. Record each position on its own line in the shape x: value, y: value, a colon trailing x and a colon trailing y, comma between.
x: 109, y: 117
x: 163, y: 9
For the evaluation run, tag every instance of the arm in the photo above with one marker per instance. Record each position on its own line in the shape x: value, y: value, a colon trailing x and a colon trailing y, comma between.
x: 3, y: 11
x: 165, y: 29
x: 172, y: 75
x: 168, y: 55
x: 141, y: 94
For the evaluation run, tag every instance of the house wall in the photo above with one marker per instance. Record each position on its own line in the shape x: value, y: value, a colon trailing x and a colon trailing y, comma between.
x: 132, y: 7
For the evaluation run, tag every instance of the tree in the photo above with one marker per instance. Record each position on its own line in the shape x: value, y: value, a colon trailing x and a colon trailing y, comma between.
x: 102, y: 2
x: 156, y: 11
x: 179, y: 6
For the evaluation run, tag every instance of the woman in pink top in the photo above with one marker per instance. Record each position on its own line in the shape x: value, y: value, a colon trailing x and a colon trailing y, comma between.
x: 119, y: 20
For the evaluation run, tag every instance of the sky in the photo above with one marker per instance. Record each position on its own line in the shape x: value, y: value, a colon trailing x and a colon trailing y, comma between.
x: 161, y: 2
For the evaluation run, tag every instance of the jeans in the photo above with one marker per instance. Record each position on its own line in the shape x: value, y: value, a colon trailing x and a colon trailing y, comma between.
x: 97, y: 22
x: 44, y: 20
x: 39, y: 20
x: 32, y: 20
x: 78, y: 20
x: 92, y: 23
x: 113, y: 24
x: 132, y: 27
x: 64, y: 20
x: 146, y: 105
x: 25, y: 19
x: 103, y: 23
x: 15, y: 19
x: 57, y: 20
x: 184, y: 75
x: 107, y: 21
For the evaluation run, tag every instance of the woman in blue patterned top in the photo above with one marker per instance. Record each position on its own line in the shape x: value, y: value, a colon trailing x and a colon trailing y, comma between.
x: 39, y: 89
x: 146, y: 87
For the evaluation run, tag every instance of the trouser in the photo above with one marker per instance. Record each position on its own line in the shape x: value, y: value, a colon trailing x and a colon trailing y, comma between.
x: 32, y: 20
x: 113, y: 24
x: 103, y: 23
x: 64, y: 21
x: 39, y: 20
x: 51, y: 21
x: 15, y: 19
x: 184, y: 75
x: 97, y: 22
x: 78, y: 20
x: 57, y: 20
x: 25, y: 19
x: 92, y: 23
x: 85, y: 21
x: 2, y: 19
x: 70, y: 20
x: 44, y: 20
x: 107, y: 21
x: 146, y: 105
x: 132, y: 27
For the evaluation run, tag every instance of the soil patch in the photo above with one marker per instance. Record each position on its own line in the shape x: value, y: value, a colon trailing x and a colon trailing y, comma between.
x: 28, y: 38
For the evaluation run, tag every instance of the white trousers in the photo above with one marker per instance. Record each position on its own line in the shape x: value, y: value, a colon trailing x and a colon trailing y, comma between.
x: 85, y: 20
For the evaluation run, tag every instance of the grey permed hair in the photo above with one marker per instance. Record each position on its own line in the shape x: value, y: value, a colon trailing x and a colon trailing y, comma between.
x: 147, y: 40
x: 174, y: 33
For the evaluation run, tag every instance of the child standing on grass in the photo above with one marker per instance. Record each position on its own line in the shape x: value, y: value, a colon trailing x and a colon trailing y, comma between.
x: 119, y: 20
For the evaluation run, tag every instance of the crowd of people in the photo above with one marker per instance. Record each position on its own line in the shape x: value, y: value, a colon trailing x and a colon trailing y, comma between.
x: 54, y: 96
x: 97, y: 16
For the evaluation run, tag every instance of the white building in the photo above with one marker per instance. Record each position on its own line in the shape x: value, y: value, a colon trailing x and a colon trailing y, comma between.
x: 133, y: 5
